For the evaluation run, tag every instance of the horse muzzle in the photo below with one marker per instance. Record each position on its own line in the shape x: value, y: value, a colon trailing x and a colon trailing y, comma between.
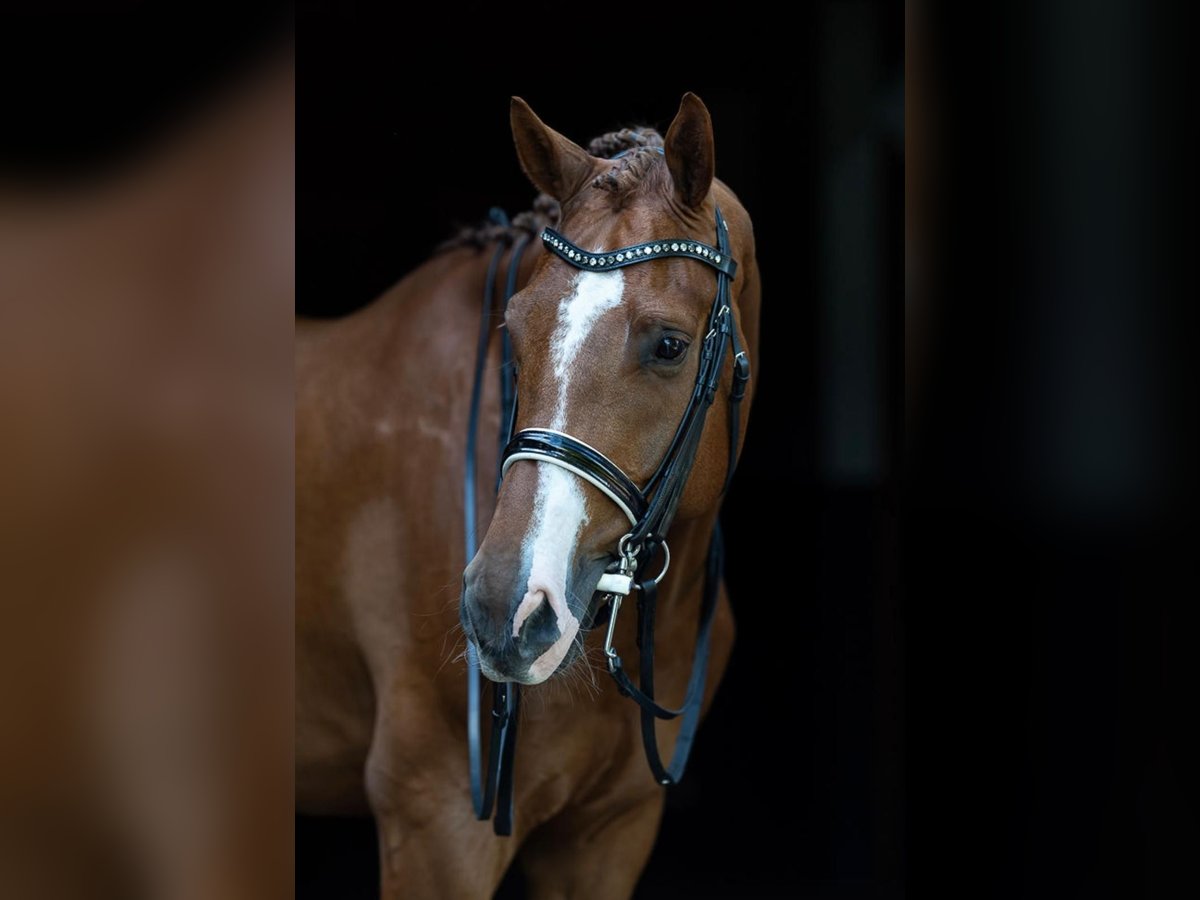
x: 525, y: 631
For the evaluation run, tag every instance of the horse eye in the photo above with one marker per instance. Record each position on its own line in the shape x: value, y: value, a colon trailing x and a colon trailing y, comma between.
x: 670, y: 347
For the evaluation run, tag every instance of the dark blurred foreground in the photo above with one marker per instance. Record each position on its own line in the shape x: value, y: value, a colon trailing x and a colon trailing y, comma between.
x: 146, y: 291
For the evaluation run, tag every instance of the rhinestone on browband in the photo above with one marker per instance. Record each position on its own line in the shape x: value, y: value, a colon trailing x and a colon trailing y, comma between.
x: 582, y: 259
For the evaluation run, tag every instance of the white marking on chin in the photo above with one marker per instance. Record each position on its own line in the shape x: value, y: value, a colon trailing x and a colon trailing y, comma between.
x: 559, y: 507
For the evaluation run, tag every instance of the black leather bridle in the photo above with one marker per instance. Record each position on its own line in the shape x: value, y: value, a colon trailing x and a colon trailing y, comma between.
x: 650, y: 510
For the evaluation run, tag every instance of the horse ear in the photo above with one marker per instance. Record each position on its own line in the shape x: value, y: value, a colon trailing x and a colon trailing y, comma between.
x: 689, y: 151
x: 556, y: 165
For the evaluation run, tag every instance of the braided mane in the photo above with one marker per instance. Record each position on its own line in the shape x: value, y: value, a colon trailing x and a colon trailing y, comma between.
x: 634, y: 152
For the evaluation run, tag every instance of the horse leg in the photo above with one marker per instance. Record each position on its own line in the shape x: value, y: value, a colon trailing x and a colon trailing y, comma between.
x: 438, y: 863
x: 430, y: 844
x: 597, y: 853
x: 430, y: 841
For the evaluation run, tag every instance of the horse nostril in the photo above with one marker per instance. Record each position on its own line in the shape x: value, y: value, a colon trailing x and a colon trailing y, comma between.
x: 535, y: 625
x: 530, y: 603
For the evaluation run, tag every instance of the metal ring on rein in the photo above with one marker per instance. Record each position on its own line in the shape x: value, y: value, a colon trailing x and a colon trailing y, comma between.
x: 653, y: 582
x: 629, y: 558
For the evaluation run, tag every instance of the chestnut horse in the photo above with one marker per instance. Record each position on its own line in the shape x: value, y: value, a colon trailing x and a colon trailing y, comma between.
x: 381, y: 419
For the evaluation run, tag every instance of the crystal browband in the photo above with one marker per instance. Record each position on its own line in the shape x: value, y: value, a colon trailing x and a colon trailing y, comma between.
x: 625, y: 256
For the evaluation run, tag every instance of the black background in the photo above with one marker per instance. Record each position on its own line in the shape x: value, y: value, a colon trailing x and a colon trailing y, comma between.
x: 1049, y: 515
x: 795, y: 785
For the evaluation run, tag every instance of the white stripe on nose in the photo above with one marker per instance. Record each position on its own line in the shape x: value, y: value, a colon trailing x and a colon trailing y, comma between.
x: 560, y: 514
x: 559, y: 508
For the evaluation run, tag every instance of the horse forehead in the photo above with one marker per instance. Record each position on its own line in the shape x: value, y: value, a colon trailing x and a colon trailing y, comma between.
x: 562, y: 300
x: 669, y: 283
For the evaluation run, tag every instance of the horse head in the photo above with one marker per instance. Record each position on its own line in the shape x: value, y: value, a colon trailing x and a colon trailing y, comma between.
x: 608, y: 354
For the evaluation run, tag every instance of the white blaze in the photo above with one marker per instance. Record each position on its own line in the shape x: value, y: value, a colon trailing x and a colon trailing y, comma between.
x: 559, y: 508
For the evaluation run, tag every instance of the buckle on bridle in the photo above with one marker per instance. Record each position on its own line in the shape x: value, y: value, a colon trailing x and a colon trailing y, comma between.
x: 618, y: 586
x: 622, y: 583
x: 610, y: 655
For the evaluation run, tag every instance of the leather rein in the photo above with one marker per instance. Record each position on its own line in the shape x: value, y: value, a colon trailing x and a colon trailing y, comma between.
x: 650, y: 510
